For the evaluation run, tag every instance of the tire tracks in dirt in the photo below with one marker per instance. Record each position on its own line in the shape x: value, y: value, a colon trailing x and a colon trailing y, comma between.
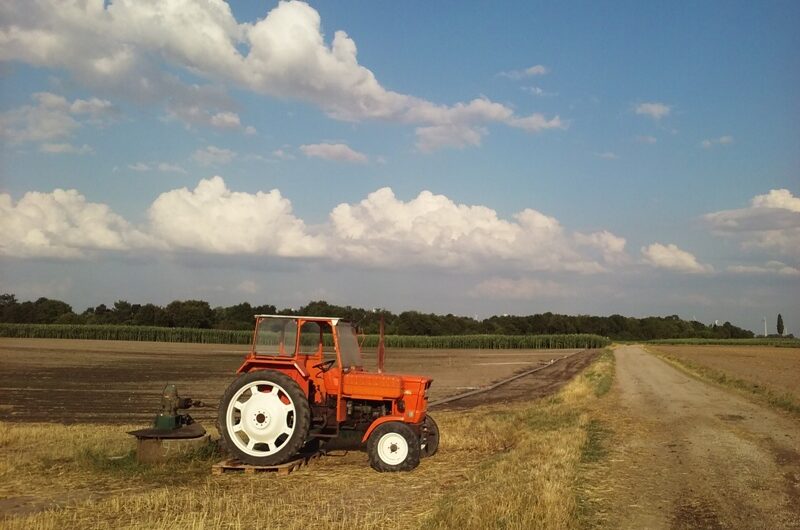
x: 543, y: 382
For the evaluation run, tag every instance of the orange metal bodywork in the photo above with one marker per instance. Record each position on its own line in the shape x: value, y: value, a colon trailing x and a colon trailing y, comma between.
x: 407, y: 393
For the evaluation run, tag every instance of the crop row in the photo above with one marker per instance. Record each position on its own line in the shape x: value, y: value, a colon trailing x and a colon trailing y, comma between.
x: 215, y: 336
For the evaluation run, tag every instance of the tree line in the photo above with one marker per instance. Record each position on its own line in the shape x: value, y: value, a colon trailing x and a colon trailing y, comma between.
x: 199, y: 314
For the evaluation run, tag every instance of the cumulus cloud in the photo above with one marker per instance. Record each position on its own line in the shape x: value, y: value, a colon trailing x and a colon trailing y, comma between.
x: 380, y: 231
x: 771, y: 267
x: 213, y: 219
x: 771, y: 223
x: 653, y: 110
x: 521, y: 289
x: 62, y: 224
x: 129, y: 47
x: 673, y: 258
x: 431, y: 229
x: 213, y: 156
x: 711, y: 142
x: 336, y: 152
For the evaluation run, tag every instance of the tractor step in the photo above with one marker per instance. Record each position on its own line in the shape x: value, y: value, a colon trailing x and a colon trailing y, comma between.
x: 233, y: 465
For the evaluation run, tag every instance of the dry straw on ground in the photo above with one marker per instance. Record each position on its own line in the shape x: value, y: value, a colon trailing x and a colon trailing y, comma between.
x: 510, y: 466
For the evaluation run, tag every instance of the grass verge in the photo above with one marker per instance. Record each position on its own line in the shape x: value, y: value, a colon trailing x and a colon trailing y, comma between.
x: 779, y: 400
x: 512, y: 466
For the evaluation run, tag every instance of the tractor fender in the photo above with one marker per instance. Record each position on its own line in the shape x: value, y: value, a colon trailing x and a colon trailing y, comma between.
x: 377, y: 422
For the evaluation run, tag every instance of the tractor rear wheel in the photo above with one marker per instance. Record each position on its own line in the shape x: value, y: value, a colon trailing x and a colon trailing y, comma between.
x: 429, y: 438
x: 264, y: 418
x: 393, y: 446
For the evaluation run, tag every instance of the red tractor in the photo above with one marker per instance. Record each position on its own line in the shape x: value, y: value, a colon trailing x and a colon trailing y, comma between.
x: 303, y: 386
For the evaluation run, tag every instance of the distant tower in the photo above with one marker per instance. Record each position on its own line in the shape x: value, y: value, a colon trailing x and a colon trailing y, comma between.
x: 765, y: 326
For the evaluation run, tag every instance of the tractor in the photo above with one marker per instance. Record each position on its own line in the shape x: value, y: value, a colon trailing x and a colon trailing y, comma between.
x: 303, y: 387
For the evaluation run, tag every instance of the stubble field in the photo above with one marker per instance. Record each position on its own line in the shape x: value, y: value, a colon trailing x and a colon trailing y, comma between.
x: 770, y: 367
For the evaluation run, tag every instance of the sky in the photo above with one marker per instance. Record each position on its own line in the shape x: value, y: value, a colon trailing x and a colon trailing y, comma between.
x: 473, y: 158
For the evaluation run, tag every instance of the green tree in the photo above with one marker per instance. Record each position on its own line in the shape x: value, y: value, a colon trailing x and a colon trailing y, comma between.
x: 780, y: 324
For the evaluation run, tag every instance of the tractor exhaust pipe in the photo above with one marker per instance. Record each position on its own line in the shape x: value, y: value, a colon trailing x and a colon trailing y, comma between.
x: 381, y: 347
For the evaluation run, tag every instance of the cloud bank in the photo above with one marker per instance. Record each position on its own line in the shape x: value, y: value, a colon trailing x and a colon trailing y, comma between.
x: 132, y: 48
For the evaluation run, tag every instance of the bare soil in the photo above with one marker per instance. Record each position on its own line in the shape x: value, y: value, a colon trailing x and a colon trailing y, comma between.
x: 71, y: 381
x: 775, y: 368
x: 544, y: 382
x: 690, y: 455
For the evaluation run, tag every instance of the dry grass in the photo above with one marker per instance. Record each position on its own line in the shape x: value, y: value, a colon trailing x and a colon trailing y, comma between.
x: 498, y: 467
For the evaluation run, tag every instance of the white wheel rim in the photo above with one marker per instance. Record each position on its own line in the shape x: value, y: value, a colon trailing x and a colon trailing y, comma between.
x: 392, y: 448
x: 258, y: 420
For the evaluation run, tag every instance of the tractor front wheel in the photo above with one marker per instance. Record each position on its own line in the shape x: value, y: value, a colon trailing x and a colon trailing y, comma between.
x: 429, y: 438
x: 393, y: 446
x: 264, y: 418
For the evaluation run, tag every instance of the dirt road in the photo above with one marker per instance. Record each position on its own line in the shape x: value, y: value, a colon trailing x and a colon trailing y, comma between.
x: 690, y: 455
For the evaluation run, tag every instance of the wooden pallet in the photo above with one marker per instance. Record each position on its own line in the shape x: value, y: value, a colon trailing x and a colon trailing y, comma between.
x: 232, y: 465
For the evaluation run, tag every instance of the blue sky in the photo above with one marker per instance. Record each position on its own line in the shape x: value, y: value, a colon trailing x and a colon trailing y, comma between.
x: 473, y: 158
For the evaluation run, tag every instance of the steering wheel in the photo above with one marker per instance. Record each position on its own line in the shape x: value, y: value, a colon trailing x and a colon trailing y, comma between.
x: 325, y: 365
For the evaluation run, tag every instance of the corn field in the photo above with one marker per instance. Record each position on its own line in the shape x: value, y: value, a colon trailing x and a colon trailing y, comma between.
x: 219, y: 336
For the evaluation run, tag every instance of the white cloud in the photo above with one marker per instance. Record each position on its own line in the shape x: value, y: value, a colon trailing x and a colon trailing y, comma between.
x: 521, y: 289
x: 771, y: 223
x: 537, y: 123
x: 432, y: 230
x: 646, y: 139
x: 170, y: 168
x: 781, y: 199
x: 48, y: 119
x: 164, y: 167
x: 336, y: 152
x: 213, y: 219
x: 608, y: 155
x: 52, y: 117
x: 226, y: 120
x: 212, y: 155
x: 130, y: 48
x: 283, y: 154
x: 65, y: 148
x: 61, y: 224
x: 196, y: 113
x: 538, y: 91
x: 653, y: 110
x: 435, y: 137
x: 673, y: 258
x: 771, y: 267
x: 611, y: 246
x: 531, y: 71
x: 711, y: 142
x: 380, y: 231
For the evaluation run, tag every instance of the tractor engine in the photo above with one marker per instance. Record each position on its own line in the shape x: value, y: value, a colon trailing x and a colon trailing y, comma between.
x: 365, y: 412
